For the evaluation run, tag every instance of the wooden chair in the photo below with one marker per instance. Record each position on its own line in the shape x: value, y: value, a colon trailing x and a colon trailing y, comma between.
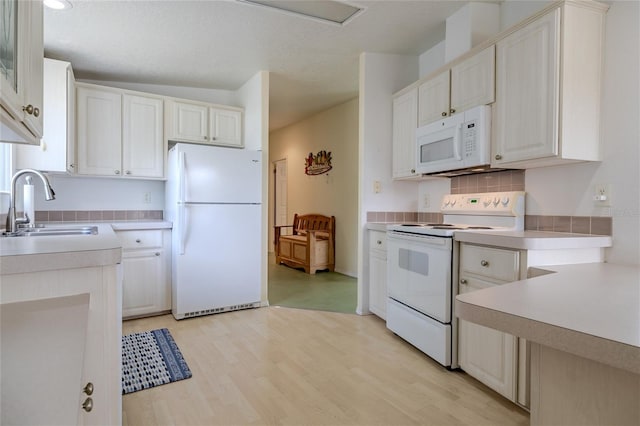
x: 312, y: 245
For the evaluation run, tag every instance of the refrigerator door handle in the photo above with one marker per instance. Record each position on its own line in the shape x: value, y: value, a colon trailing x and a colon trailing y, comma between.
x: 182, y: 231
x: 181, y: 202
x: 182, y: 161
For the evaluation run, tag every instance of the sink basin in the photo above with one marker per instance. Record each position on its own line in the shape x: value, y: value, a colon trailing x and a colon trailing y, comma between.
x: 56, y: 230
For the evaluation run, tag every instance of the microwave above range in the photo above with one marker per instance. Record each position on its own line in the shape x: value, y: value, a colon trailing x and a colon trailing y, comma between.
x: 456, y: 144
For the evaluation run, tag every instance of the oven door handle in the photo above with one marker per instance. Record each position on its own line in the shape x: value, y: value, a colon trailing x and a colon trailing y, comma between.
x: 457, y: 142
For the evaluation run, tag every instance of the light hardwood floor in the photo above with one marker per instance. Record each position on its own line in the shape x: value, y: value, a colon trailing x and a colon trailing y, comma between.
x: 283, y: 366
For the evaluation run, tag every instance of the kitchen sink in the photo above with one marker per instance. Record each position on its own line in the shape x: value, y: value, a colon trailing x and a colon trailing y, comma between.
x: 42, y: 231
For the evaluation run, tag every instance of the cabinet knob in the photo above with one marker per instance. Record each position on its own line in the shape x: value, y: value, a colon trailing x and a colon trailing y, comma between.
x: 88, y: 388
x: 138, y: 240
x: 444, y: 113
x: 28, y: 109
x: 498, y: 157
x: 213, y: 138
x: 463, y: 281
x: 452, y: 111
x: 157, y: 253
x: 128, y: 172
x: 379, y: 242
x: 36, y: 112
x: 117, y: 172
x: 205, y: 138
x: 87, y: 405
x: 413, y: 170
x: 484, y: 263
x: 73, y: 166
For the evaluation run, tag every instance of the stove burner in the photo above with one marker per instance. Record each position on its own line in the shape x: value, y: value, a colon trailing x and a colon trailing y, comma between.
x: 446, y: 227
x: 479, y: 227
x: 412, y: 224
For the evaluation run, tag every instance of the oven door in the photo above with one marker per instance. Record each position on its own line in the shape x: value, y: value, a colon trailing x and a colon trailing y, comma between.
x: 419, y: 273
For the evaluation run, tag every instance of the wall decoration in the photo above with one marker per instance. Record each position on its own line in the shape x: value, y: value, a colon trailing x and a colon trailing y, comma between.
x: 318, y: 164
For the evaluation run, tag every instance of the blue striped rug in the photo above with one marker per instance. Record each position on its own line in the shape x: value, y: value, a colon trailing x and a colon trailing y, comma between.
x: 149, y: 359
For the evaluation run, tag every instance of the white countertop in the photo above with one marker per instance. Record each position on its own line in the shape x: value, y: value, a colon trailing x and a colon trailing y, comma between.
x: 590, y: 310
x: 534, y: 240
x: 378, y: 226
x: 45, y: 253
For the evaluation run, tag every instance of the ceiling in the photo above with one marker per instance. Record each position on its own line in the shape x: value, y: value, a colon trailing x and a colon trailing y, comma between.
x: 220, y: 44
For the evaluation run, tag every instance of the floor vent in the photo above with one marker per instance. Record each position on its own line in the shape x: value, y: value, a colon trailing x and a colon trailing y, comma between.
x: 223, y: 309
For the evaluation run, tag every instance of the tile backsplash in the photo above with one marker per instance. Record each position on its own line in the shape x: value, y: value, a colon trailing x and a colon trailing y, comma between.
x: 506, y: 180
x: 91, y: 215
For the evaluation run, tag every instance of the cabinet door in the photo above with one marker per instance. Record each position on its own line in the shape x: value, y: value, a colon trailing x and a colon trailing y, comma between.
x: 56, y: 150
x: 526, y: 123
x: 405, y: 116
x: 190, y: 122
x: 486, y: 354
x: 99, y: 132
x: 142, y: 139
x: 21, y: 56
x: 33, y: 67
x: 225, y: 127
x: 433, y: 99
x: 144, y: 289
x: 378, y: 283
x: 473, y: 81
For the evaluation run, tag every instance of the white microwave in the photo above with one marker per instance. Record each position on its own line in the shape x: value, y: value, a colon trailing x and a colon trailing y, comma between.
x: 461, y: 141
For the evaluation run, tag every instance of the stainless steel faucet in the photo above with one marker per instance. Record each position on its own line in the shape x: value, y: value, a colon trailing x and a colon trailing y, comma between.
x: 12, y: 220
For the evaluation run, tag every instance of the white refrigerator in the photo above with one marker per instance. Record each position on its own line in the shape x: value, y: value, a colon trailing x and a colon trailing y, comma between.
x: 213, y: 197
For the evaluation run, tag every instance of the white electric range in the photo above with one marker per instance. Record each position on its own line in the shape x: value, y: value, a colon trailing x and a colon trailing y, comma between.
x: 422, y: 262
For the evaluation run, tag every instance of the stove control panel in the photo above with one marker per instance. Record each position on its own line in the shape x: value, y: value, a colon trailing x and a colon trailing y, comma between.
x: 487, y: 203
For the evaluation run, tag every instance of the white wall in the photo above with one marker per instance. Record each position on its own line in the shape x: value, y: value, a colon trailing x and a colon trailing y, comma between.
x: 82, y: 193
x: 332, y: 194
x: 431, y: 60
x: 381, y: 75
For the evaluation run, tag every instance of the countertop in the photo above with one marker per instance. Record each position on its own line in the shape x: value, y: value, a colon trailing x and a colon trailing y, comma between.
x: 522, y: 240
x: 36, y: 254
x: 590, y: 310
x: 534, y: 240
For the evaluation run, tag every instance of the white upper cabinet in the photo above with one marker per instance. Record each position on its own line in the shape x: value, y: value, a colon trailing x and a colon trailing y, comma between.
x: 473, y: 81
x: 433, y: 98
x: 225, y: 127
x: 204, y: 123
x: 56, y: 152
x: 189, y: 122
x: 119, y: 133
x: 405, y: 119
x: 467, y: 84
x: 142, y: 138
x: 21, y: 71
x: 99, y: 114
x: 548, y: 89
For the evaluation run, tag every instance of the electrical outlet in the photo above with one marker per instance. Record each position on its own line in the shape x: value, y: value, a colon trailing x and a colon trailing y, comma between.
x: 377, y: 187
x: 426, y: 201
x: 147, y: 197
x: 602, y: 195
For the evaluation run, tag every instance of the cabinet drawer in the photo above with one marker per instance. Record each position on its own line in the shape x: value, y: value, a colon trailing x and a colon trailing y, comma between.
x: 490, y: 262
x: 141, y: 239
x: 377, y: 240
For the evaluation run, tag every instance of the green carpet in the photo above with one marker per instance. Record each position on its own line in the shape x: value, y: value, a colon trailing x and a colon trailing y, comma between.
x: 324, y: 291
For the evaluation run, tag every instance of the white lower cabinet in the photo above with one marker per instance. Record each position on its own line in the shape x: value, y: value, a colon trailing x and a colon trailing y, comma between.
x: 378, y: 273
x: 146, y: 260
x: 486, y: 354
x: 78, y: 309
x: 489, y: 355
